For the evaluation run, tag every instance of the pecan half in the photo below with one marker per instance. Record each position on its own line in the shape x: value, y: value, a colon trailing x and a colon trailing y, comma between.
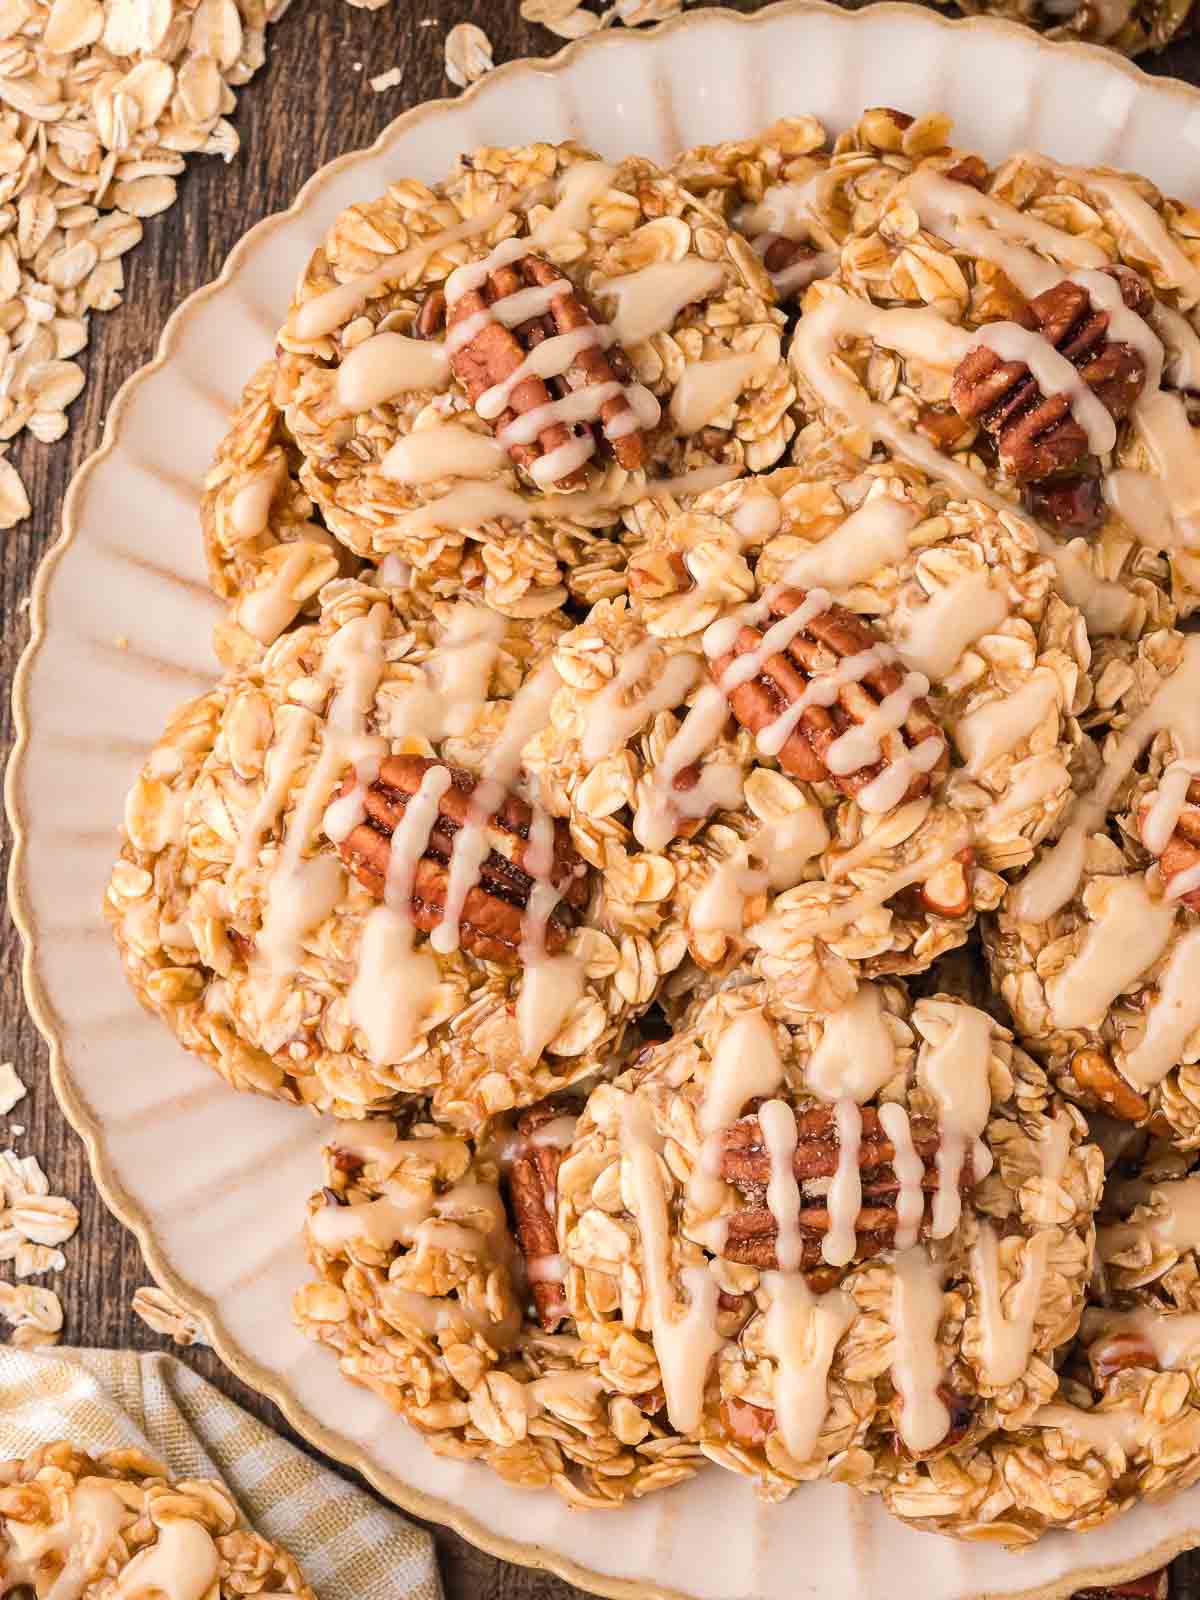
x: 1183, y: 847
x: 746, y: 1163
x: 1075, y: 504
x: 496, y: 351
x: 492, y: 923
x: 1096, y: 1076
x: 533, y: 1193
x: 817, y: 649
x: 1036, y: 435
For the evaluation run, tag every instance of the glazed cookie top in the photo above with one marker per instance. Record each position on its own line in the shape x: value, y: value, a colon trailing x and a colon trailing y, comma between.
x: 846, y: 701
x: 1026, y: 335
x: 818, y: 1229
x: 429, y: 1296
x: 540, y: 340
x: 798, y: 196
x: 358, y: 886
x: 71, y: 1524
x: 1097, y: 950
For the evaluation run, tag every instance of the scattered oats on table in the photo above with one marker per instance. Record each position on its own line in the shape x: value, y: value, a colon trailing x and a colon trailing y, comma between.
x: 161, y: 1311
x: 468, y: 54
x: 12, y: 1089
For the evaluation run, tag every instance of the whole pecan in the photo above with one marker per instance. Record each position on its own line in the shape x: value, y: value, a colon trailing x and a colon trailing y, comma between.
x: 533, y: 1193
x: 496, y: 352
x: 492, y: 923
x: 746, y: 1164
x: 1036, y: 434
x: 784, y: 677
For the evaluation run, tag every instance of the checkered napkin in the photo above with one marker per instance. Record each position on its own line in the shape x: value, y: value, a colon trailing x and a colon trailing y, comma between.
x: 348, y: 1546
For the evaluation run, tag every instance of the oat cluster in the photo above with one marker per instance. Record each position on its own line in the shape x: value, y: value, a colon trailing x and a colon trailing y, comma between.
x: 704, y: 786
x: 117, y: 1524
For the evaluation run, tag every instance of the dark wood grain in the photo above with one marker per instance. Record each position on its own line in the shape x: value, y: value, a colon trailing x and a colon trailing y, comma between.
x: 307, y: 106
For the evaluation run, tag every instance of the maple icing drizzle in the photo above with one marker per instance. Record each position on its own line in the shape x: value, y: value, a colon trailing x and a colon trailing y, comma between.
x: 786, y: 211
x: 1174, y: 708
x: 1007, y: 1319
x: 1163, y: 509
x: 917, y: 1371
x: 1128, y: 938
x: 955, y: 1070
x: 802, y: 1332
x: 1173, y: 1225
x: 685, y: 1337
x: 1173, y: 1338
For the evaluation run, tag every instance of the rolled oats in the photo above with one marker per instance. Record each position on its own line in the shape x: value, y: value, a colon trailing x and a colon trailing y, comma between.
x: 118, y: 1518
x: 786, y: 1215
x: 12, y: 1090
x: 417, y: 1294
x: 468, y: 54
x: 162, y: 1312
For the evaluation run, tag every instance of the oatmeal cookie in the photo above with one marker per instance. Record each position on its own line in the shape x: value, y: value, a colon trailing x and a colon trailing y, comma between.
x: 1027, y: 335
x: 431, y: 1298
x: 820, y: 1232
x: 1097, y: 950
x: 338, y: 887
x: 833, y: 712
x: 511, y: 357
x: 93, y: 1526
x: 1125, y: 1424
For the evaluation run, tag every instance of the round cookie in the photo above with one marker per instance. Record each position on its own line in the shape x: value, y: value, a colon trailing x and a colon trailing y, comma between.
x: 817, y: 1231
x: 93, y: 1526
x: 512, y: 357
x: 834, y: 710
x: 430, y: 1298
x: 1097, y: 950
x: 928, y: 339
x: 338, y: 887
x: 1125, y: 1425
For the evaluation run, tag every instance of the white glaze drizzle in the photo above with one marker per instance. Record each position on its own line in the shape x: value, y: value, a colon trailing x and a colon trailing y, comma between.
x: 856, y: 1054
x: 1131, y: 935
x: 1175, y: 707
x: 778, y: 1123
x: 685, y: 1338
x: 845, y: 1191
x: 1054, y: 375
x: 923, y: 1420
x: 802, y: 1332
x: 956, y: 1073
x: 1173, y: 1016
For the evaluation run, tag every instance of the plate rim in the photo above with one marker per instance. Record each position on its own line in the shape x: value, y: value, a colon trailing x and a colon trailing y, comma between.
x: 432, y: 1508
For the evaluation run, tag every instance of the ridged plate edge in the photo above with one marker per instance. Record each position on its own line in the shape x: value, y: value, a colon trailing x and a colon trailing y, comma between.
x: 77, y: 1113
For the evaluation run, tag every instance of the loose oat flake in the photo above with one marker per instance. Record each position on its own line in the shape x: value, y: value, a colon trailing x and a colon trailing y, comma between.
x: 161, y: 1311
x: 12, y: 1089
x: 468, y: 54
x: 386, y: 80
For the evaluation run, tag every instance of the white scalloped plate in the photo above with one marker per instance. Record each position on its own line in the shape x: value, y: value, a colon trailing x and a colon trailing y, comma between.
x: 214, y: 1183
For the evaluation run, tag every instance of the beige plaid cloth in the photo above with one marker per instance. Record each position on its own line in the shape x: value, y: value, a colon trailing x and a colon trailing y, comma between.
x: 348, y: 1546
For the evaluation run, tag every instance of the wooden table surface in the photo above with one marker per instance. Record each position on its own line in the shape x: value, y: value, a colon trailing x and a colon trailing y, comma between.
x: 310, y: 103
